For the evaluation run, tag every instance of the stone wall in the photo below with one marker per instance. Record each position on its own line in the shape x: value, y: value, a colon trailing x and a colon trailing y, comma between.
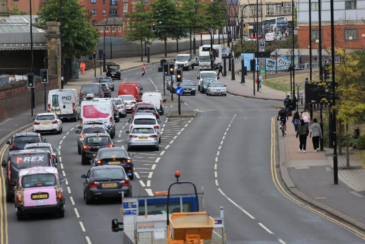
x: 15, y: 97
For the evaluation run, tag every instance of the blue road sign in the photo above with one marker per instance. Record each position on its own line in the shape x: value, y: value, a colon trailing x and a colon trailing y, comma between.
x: 179, y: 90
x: 298, y: 84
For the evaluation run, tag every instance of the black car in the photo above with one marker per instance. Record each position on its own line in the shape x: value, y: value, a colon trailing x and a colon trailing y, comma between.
x: 23, y: 159
x: 19, y: 140
x: 189, y: 87
x: 105, y: 79
x: 106, y: 89
x: 93, y: 88
x: 89, y: 129
x: 115, y: 156
x: 106, y: 182
x: 113, y: 70
x: 91, y: 145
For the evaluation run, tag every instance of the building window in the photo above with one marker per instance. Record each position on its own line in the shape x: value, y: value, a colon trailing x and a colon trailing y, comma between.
x: 253, y: 11
x: 101, y: 29
x: 107, y: 29
x: 125, y: 7
x: 145, y: 1
x: 93, y: 22
x: 315, y: 34
x: 93, y: 1
x: 125, y: 1
x: 113, y: 3
x: 119, y: 29
x: 314, y: 6
x: 351, y: 32
x: 104, y: 12
x: 93, y: 12
x: 113, y: 13
x: 350, y: 5
x: 113, y: 28
x: 104, y: 2
x: 275, y: 9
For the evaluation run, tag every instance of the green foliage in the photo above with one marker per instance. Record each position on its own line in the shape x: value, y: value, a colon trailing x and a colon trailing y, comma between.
x: 78, y: 36
x: 15, y: 9
x: 361, y: 142
x: 215, y: 13
x: 189, y: 14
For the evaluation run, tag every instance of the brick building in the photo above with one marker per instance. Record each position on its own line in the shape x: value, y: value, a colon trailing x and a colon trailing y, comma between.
x: 23, y: 5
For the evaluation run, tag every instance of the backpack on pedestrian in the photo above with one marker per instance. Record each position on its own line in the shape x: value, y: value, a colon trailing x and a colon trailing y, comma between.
x: 303, y: 130
x: 296, y: 121
x: 286, y: 101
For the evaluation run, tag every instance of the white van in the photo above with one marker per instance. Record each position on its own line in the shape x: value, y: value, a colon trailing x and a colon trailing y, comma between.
x: 204, y: 58
x: 156, y: 99
x: 65, y: 103
x: 98, y: 109
x: 270, y: 37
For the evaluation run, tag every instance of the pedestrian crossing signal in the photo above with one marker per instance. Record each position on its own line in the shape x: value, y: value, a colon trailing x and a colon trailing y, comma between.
x: 30, y: 80
x: 94, y: 55
x: 153, y: 26
x: 178, y: 75
x: 44, y: 75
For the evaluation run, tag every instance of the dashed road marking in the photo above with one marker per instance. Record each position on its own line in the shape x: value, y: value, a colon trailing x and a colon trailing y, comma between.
x: 217, y: 153
x: 215, y: 166
x: 153, y: 167
x: 61, y: 164
x: 216, y: 183
x: 63, y: 172
x: 63, y: 137
x: 69, y: 190
x: 60, y: 159
x: 136, y: 174
x: 265, y: 228
x: 61, y: 141
x: 148, y: 183
x: 72, y: 201
x: 77, y: 213
x: 215, y: 174
x: 157, y: 160
x: 82, y: 226
x: 149, y: 192
x: 88, y: 240
x: 167, y: 147
x: 216, y: 159
x: 142, y: 183
x: 150, y: 175
x: 162, y: 153
x: 171, y: 141
x: 66, y: 182
x: 281, y: 241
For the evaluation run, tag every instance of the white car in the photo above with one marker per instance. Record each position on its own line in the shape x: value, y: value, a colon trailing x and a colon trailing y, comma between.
x: 142, y: 136
x: 216, y: 88
x: 47, y: 122
x: 145, y: 119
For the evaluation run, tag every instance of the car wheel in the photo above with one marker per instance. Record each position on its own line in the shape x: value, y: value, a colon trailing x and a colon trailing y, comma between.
x: 192, y: 66
x: 157, y: 148
x: 88, y: 201
x: 131, y: 177
x: 79, y: 150
x: 83, y: 160
x: 61, y: 214
x: 9, y: 198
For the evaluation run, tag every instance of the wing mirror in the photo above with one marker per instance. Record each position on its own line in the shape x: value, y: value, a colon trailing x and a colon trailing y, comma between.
x: 77, y: 131
x: 127, y: 132
x: 45, y: 140
x: 130, y: 154
x: 62, y: 180
x: 159, y: 121
x: 164, y: 100
x: 83, y: 176
x: 56, y: 150
x: 3, y: 164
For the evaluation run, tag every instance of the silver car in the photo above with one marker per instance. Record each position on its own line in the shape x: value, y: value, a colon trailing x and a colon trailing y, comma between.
x: 142, y: 136
x: 216, y: 88
x: 121, y: 106
x: 89, y: 129
x: 168, y: 82
x: 129, y: 101
x: 105, y: 79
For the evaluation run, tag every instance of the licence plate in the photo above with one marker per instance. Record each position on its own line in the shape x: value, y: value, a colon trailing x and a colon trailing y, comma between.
x: 85, y: 95
x: 94, y: 154
x: 45, y: 123
x: 40, y: 202
x: 39, y: 196
x: 143, y: 138
x: 218, y: 90
x: 112, y: 73
x: 56, y: 111
x: 109, y: 184
x: 114, y: 162
x: 128, y: 107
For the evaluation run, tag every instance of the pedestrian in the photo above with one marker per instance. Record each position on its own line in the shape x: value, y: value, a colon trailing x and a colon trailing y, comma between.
x: 306, y: 81
x: 302, y: 133
x: 296, y: 121
x: 287, y: 102
x: 316, y: 132
x: 82, y: 67
x: 143, y: 69
x: 220, y: 69
x: 306, y: 117
x: 260, y: 80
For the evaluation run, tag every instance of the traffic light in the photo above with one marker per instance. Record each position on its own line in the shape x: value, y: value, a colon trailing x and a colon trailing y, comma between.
x: 153, y: 26
x: 94, y: 55
x: 30, y: 80
x: 115, y: 226
x: 253, y: 64
x: 171, y: 68
x: 211, y: 54
x: 44, y: 75
x: 179, y: 75
x: 282, y: 4
x: 166, y: 69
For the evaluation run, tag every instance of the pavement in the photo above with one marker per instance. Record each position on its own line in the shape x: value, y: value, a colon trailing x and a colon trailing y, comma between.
x: 309, y: 176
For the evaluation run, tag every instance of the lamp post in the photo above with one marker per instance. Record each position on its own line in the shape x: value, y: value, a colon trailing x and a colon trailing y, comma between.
x: 310, y: 40
x: 350, y: 39
x: 104, y: 65
x: 298, y: 85
x: 363, y: 39
x: 317, y: 42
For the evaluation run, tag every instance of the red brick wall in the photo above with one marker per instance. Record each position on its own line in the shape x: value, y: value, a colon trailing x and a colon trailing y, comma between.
x: 15, y: 98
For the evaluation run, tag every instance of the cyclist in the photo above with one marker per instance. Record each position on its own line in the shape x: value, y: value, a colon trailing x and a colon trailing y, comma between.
x: 283, y: 117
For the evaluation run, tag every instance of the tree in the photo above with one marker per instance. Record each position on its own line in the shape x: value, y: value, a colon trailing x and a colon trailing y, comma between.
x: 216, y: 14
x: 15, y: 10
x: 79, y: 38
x: 164, y: 13
x: 139, y: 26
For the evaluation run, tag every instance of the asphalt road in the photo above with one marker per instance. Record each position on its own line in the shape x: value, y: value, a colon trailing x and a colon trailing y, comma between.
x: 226, y: 148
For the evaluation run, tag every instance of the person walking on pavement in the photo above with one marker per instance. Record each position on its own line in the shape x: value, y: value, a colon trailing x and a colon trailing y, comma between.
x: 283, y: 117
x: 302, y: 133
x: 220, y: 68
x: 82, y: 67
x: 305, y: 117
x: 316, y: 132
x: 296, y: 121
x: 287, y: 103
x: 143, y: 69
x: 260, y: 81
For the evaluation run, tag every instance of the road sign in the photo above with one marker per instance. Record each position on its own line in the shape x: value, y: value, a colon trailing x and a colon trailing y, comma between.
x: 262, y: 54
x: 179, y: 90
x: 262, y: 44
x: 298, y: 84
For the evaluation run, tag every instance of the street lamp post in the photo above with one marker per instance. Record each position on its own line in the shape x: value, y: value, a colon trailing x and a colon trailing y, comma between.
x: 310, y: 40
x: 298, y: 85
x: 317, y: 42
x: 363, y: 39
x: 104, y: 65
x: 350, y: 39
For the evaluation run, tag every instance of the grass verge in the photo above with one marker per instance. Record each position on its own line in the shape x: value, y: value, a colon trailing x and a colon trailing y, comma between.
x: 282, y: 83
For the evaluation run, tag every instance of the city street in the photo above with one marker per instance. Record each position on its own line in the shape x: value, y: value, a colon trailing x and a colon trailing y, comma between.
x: 228, y: 148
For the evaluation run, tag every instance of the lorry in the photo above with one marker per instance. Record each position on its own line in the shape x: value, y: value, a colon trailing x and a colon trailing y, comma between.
x: 185, y: 61
x: 169, y: 219
x: 204, y: 57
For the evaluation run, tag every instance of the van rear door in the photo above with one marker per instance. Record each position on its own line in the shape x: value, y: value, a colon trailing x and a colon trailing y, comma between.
x: 68, y: 103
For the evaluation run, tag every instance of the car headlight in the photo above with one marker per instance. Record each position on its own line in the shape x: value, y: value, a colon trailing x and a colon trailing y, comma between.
x: 193, y: 88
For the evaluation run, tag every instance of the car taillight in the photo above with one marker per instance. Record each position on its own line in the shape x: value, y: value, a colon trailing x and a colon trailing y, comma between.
x: 93, y: 184
x: 110, y: 145
x: 82, y: 136
x: 55, y: 122
x: 100, y: 162
x: 59, y: 196
x: 124, y: 183
x: 9, y: 172
x: 111, y: 119
x: 99, y: 94
x: 20, y: 198
x: 36, y: 123
x: 153, y: 136
x: 128, y: 161
x: 156, y: 127
x: 73, y: 107
x: 80, y: 120
x: 86, y: 147
x: 133, y: 102
x: 80, y: 95
x: 53, y: 155
x: 107, y: 89
x: 122, y: 106
x: 115, y: 110
x: 13, y: 145
x: 132, y: 136
x: 156, y: 114
x: 49, y: 107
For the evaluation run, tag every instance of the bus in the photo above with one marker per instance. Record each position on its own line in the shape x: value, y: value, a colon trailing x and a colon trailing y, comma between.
x: 275, y: 24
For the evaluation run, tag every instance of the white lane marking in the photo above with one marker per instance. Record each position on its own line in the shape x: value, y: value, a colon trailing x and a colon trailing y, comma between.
x: 223, y: 137
x: 150, y: 174
x: 171, y: 141
x: 227, y: 129
x: 72, y: 128
x: 235, y: 204
x: 61, y: 164
x: 63, y: 137
x: 225, y: 133
x: 148, y: 183
x: 66, y: 182
x: 265, y: 228
x: 119, y: 135
x: 59, y: 153
x: 153, y: 167
x: 72, y: 201
x: 136, y: 174
x: 186, y: 125
x: 216, y: 159
x: 142, y: 183
x: 60, y: 159
x: 182, y: 129
x: 167, y: 147
x: 77, y: 213
x: 215, y: 174
x: 219, y: 148
x: 149, y: 192
x: 162, y: 153
x: 157, y: 160
x: 69, y: 190
x: 59, y: 148
x: 61, y: 141
x: 175, y: 137
x: 88, y: 240
x: 179, y: 133
x: 217, y: 153
x: 63, y: 172
x: 216, y: 183
x: 164, y: 125
x: 215, y: 166
x: 67, y: 133
x: 281, y: 241
x: 221, y: 142
x: 126, y: 123
x: 121, y: 130
x: 82, y: 226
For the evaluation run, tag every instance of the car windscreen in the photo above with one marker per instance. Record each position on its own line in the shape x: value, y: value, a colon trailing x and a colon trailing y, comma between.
x: 182, y: 58
x: 105, y: 80
x: 143, y: 131
x: 41, y: 148
x: 117, y: 102
x: 97, y: 140
x: 216, y: 84
x: 45, y: 117
x: 26, y: 139
x: 204, y: 59
x: 113, y: 173
x: 207, y: 81
x: 208, y: 75
x: 113, y: 67
x: 25, y: 161
x: 90, y: 89
x: 187, y: 83
x: 94, y: 130
x: 113, y: 154
x: 38, y: 180
x: 144, y: 121
x: 127, y: 97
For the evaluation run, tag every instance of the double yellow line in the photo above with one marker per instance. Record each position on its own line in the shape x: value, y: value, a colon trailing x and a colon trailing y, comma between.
x: 284, y: 192
x: 4, y: 239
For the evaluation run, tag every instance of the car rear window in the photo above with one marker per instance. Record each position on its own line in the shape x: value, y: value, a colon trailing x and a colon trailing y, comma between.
x: 113, y: 154
x: 113, y: 67
x: 45, y: 117
x: 26, y: 139
x: 113, y: 173
x: 143, y: 130
x: 145, y: 109
x: 94, y: 130
x: 117, y: 102
x: 144, y: 121
x: 38, y: 180
x: 90, y: 89
x: 105, y: 80
x: 30, y: 160
x: 42, y: 148
x: 98, y: 140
